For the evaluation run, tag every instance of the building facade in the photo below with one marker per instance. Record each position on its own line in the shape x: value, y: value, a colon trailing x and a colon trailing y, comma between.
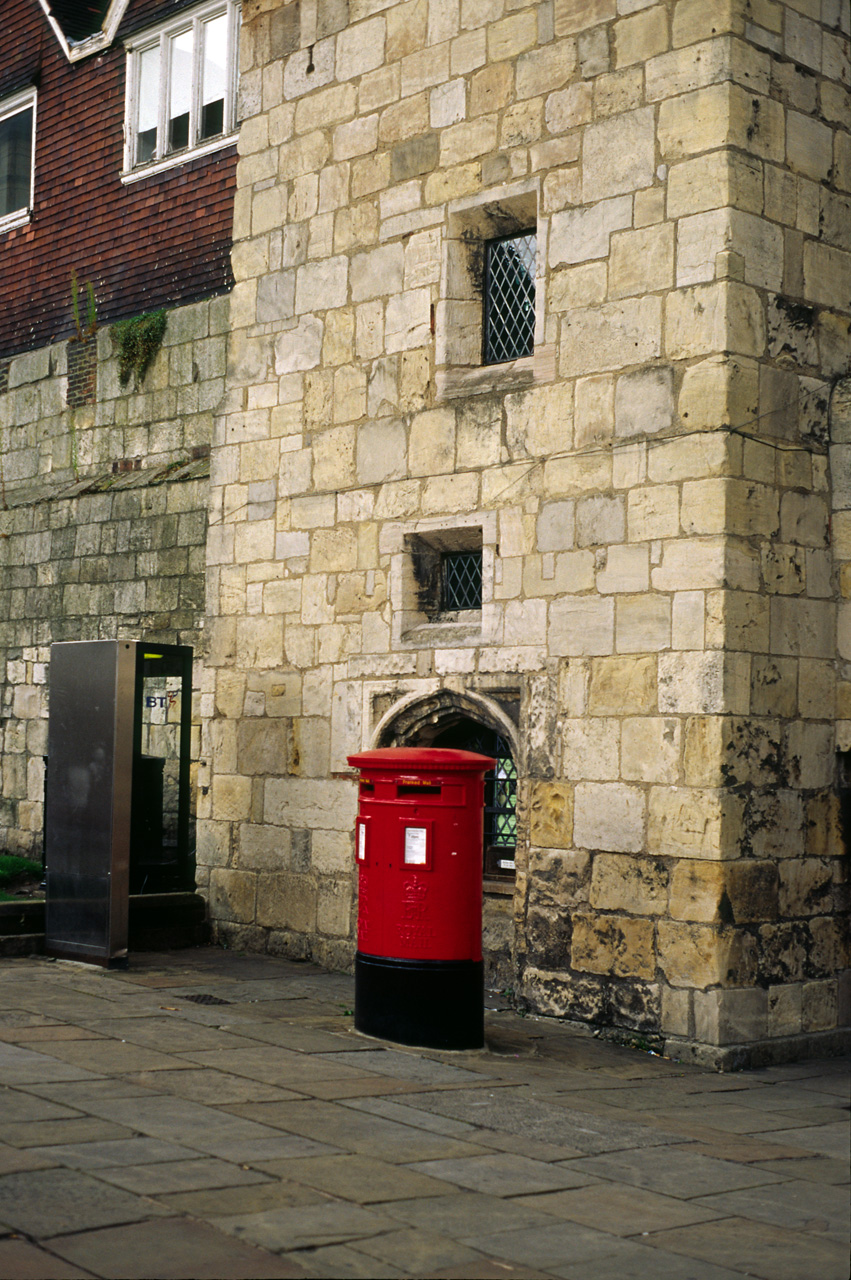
x: 533, y: 436
x: 556, y: 293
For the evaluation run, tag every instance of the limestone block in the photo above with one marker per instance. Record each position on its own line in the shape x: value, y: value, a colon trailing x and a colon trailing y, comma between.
x: 690, y: 564
x: 713, y: 181
x: 827, y: 275
x: 569, y: 108
x: 538, y: 420
x: 578, y: 15
x: 524, y: 621
x: 600, y: 520
x: 644, y: 402
x: 619, y: 945
x: 551, y: 814
x: 618, y: 155
x: 650, y: 749
x: 321, y: 285
x: 622, y: 686
x: 805, y: 886
x: 695, y: 122
x: 408, y: 319
x: 641, y: 261
x: 643, y: 623
x: 232, y: 895
x: 581, y: 625
x: 801, y: 627
x: 580, y: 286
x: 688, y: 822
x: 334, y: 907
x: 231, y: 797
x: 804, y: 519
x: 360, y: 48
x: 809, y: 146
x: 555, y: 526
x: 594, y: 409
x: 609, y: 816
x: 311, y: 803
x: 623, y: 883
x: 331, y: 852
x: 653, y: 511
x: 716, y: 317
x: 381, y: 451
x: 785, y: 1010
x: 731, y: 1017
x: 577, y: 235
x: 700, y: 683
x: 591, y: 749
x: 512, y: 35
x: 286, y: 900
x: 299, y: 348
x: 575, y: 475
x: 699, y: 955
x: 600, y: 338
x: 720, y: 390
x: 262, y: 848
x: 626, y: 569
x: 641, y: 36
x: 431, y: 449
x: 819, y: 1006
x: 810, y: 749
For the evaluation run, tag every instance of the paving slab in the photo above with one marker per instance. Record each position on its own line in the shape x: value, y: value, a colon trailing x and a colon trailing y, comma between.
x: 181, y: 1175
x: 623, y: 1211
x: 104, y: 1155
x: 172, y: 1249
x: 469, y: 1213
x: 417, y: 1252
x: 22, y: 1260
x: 305, y: 1226
x: 674, y: 1172
x: 343, y: 1261
x: 826, y: 1139
x: 757, y: 1249
x: 208, y: 1086
x: 354, y: 1131
x: 555, y: 1245
x: 648, y: 1264
x: 800, y: 1206
x: 811, y: 1169
x: 45, y: 1133
x: 48, y: 1202
x: 236, y: 1201
x: 18, y: 1159
x: 359, y: 1179
x: 499, y: 1175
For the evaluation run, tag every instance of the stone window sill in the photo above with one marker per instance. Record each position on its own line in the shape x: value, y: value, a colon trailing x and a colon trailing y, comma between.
x: 514, y: 375
x: 446, y: 633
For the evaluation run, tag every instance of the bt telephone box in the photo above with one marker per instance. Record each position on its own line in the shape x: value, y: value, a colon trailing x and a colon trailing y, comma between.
x: 418, y: 969
x: 117, y: 811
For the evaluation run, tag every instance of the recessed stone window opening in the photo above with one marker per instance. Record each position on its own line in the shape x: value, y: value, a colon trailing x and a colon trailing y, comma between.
x: 488, y: 283
x: 445, y: 580
x: 508, y: 327
x: 445, y: 720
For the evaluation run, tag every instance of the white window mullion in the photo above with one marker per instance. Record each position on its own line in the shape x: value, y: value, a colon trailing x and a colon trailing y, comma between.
x: 165, y: 76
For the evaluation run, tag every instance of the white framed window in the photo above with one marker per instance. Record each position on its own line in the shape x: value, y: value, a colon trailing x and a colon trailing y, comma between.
x: 17, y: 158
x: 181, y: 88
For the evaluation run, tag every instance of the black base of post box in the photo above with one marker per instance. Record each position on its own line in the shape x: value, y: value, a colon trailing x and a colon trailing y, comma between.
x: 435, y: 1004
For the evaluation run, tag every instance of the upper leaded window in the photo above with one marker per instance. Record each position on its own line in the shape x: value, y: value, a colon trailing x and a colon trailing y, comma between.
x: 181, y: 80
x: 17, y: 131
x: 509, y: 297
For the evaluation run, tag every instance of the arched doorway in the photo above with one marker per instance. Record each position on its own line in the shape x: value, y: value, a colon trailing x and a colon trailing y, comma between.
x: 449, y: 719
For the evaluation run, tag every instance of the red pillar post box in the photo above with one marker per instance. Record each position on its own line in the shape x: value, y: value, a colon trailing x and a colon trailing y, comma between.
x: 418, y: 969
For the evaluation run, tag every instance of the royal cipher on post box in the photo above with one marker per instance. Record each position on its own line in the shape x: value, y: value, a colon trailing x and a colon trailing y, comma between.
x: 418, y: 846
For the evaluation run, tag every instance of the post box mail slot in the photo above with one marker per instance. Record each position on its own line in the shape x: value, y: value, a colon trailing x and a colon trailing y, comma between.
x: 418, y: 847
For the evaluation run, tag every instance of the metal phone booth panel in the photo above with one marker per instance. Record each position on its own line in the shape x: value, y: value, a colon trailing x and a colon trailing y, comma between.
x: 101, y: 809
x: 419, y: 977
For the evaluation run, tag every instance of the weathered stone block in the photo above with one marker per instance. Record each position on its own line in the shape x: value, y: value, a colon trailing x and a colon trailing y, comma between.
x: 609, y: 816
x: 619, y: 945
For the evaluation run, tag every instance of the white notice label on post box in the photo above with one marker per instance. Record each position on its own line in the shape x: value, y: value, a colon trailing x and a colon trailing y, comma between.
x: 415, y: 846
x: 362, y: 842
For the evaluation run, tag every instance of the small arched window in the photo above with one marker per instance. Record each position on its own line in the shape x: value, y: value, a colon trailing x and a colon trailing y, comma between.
x: 500, y: 834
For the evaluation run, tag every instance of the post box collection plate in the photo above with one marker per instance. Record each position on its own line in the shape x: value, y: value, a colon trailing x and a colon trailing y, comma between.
x: 418, y: 847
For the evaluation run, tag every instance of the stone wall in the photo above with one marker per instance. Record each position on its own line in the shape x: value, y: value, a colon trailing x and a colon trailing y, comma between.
x: 103, y: 514
x: 649, y: 489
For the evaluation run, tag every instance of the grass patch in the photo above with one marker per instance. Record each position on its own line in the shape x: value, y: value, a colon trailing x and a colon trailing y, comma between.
x: 14, y: 869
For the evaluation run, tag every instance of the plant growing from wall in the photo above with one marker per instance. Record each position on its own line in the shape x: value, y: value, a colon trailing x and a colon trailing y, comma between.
x: 138, y: 340
x: 87, y: 330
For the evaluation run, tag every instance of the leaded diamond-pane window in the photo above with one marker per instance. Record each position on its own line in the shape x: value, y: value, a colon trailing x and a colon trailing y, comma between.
x: 500, y: 816
x: 509, y: 294
x: 462, y: 580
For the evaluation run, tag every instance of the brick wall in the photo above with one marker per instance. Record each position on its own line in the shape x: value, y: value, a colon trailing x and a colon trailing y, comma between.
x: 163, y: 240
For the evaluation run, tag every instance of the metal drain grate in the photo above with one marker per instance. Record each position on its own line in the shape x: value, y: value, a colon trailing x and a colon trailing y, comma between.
x: 204, y: 998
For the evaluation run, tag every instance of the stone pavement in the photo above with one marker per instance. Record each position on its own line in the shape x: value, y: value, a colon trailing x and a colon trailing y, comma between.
x: 207, y: 1114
